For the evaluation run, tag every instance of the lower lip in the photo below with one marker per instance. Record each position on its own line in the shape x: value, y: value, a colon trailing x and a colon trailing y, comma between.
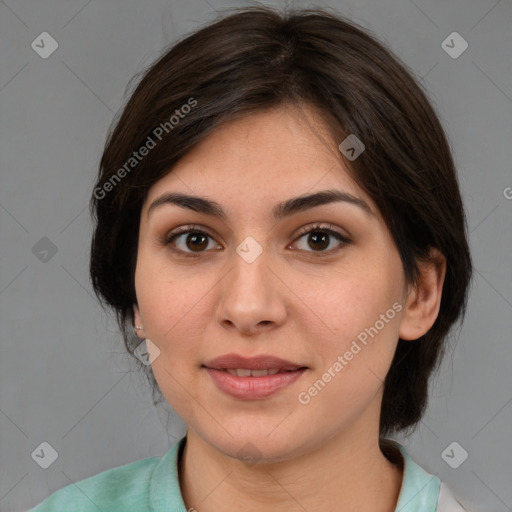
x: 252, y: 388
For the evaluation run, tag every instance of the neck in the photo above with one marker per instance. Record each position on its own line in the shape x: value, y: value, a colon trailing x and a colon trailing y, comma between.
x: 359, y: 477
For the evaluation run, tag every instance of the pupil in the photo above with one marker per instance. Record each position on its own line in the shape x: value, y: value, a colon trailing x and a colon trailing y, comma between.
x: 194, y: 238
x: 319, y: 237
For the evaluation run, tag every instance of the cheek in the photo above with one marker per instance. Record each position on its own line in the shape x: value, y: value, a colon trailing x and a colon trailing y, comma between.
x: 173, y: 304
x: 353, y: 314
x: 345, y: 304
x: 353, y: 348
x: 175, y: 311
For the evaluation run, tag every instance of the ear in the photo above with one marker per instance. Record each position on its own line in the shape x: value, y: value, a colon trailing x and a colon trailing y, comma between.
x: 138, y: 321
x: 423, y: 300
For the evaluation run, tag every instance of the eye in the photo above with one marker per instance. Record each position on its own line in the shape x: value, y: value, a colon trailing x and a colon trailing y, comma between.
x: 193, y: 240
x: 190, y: 240
x: 321, y: 239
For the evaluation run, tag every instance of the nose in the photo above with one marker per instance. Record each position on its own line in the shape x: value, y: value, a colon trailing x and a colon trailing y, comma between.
x: 251, y: 298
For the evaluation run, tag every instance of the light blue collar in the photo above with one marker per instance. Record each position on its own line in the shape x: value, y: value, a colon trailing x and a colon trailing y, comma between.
x: 420, y: 490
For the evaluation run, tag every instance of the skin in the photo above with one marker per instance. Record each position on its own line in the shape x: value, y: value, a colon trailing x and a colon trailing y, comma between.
x: 291, y: 302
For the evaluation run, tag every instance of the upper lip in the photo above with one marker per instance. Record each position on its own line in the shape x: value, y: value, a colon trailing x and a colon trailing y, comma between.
x: 262, y: 362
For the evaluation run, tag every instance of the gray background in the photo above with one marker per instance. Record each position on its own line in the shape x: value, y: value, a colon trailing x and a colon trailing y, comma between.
x: 64, y: 376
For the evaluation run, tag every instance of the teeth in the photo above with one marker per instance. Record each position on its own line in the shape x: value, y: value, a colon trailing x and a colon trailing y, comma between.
x: 251, y: 373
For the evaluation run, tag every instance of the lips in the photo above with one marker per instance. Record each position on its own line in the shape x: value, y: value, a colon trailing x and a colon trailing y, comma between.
x: 253, y: 388
x: 244, y: 366
x: 253, y: 378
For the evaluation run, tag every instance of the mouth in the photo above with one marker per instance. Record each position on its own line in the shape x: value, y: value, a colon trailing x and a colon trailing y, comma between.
x: 247, y: 372
x: 252, y: 366
x: 255, y: 378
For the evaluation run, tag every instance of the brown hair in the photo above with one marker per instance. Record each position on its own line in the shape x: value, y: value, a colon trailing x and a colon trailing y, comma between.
x: 259, y: 58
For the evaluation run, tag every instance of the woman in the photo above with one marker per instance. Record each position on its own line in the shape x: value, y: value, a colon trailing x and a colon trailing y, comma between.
x: 278, y: 219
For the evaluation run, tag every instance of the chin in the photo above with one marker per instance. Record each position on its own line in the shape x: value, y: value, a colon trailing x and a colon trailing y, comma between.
x: 258, y: 447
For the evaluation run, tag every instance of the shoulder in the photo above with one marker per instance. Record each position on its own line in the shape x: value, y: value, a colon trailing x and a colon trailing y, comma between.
x: 420, y: 490
x: 147, y: 485
x: 119, y: 489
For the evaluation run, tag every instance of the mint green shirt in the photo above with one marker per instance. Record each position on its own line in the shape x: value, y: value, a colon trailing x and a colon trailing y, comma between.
x: 151, y: 485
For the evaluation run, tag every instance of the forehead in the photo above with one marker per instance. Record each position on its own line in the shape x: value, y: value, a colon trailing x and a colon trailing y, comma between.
x: 267, y: 155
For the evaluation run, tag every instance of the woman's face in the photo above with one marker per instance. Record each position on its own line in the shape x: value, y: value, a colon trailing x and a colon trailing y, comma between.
x: 268, y: 281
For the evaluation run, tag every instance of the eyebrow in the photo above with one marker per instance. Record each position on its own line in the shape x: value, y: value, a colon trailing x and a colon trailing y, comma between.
x: 280, y: 211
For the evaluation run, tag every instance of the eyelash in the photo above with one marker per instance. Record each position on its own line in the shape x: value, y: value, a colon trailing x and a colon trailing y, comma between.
x: 192, y: 228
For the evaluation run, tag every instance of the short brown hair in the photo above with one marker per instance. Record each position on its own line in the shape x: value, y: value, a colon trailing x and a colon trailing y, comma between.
x: 259, y: 58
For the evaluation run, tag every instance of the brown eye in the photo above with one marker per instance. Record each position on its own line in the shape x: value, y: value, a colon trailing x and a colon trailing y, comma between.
x: 190, y: 241
x: 196, y: 241
x: 319, y: 239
